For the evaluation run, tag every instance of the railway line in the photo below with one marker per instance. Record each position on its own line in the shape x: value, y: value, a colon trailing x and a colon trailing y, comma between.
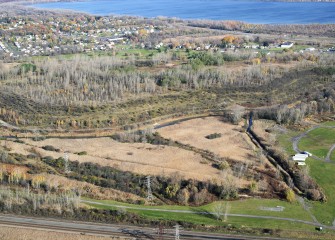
x: 113, y: 230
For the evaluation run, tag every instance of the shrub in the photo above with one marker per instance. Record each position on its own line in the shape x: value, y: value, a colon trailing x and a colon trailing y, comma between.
x: 290, y: 196
x: 313, y: 194
x: 31, y: 156
x: 223, y: 165
x: 81, y: 153
x: 252, y: 187
x: 50, y: 148
x: 39, y: 138
x: 213, y: 136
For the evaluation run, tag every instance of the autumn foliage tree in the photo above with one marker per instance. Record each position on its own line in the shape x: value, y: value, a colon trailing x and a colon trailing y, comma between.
x: 228, y: 40
x: 290, y: 196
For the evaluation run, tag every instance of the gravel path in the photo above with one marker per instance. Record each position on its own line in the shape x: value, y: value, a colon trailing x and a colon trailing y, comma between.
x: 296, y: 140
x: 329, y: 153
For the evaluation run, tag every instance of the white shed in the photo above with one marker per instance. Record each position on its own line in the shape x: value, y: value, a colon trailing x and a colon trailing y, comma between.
x: 300, y: 158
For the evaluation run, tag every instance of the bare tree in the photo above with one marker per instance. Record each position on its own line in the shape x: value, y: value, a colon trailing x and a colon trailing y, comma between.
x: 218, y: 210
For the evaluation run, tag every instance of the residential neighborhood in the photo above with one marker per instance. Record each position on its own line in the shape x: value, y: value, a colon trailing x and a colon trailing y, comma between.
x: 22, y: 37
x: 25, y: 36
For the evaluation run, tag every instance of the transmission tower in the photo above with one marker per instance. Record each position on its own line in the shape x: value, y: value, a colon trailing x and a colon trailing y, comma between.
x: 177, y: 235
x: 150, y: 196
x: 66, y: 162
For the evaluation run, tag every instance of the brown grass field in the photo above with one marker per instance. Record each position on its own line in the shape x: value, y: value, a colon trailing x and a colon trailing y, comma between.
x: 232, y: 144
x: 147, y: 159
x: 14, y: 233
x: 140, y: 158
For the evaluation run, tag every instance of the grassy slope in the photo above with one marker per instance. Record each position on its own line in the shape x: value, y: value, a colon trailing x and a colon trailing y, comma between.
x: 332, y: 156
x: 331, y: 123
x: 250, y: 207
x: 323, y: 173
x: 318, y: 141
x: 285, y: 140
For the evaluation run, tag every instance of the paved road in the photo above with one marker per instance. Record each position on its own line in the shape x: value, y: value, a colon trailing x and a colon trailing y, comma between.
x: 130, y: 232
x: 327, y: 159
x: 208, y: 213
x: 296, y: 140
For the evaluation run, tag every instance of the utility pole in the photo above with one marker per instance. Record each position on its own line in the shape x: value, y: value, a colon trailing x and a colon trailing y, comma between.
x: 177, y: 235
x: 150, y: 196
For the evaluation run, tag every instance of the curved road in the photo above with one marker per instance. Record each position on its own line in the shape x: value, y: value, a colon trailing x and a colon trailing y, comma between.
x: 296, y: 140
x: 327, y: 159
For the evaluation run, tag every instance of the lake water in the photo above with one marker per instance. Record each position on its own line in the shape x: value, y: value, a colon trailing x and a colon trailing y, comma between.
x: 252, y: 11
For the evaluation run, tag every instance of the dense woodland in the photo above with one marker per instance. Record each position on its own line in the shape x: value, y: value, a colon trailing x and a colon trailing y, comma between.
x: 86, y: 84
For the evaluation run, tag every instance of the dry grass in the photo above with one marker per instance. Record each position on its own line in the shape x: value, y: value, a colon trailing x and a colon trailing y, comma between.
x: 11, y: 233
x: 88, y: 189
x: 135, y: 157
x: 232, y: 143
x: 260, y: 127
x: 66, y: 184
x: 150, y: 159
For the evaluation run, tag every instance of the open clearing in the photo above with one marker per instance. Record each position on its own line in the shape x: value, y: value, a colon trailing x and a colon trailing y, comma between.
x: 319, y: 141
x: 323, y: 173
x: 289, y: 229
x: 142, y: 158
x: 232, y: 143
x: 251, y: 206
x: 10, y: 233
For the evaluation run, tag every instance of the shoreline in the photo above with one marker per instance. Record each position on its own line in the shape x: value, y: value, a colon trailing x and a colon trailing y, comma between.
x: 27, y: 5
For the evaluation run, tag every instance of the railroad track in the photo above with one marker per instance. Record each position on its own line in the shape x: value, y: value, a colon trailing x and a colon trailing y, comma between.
x: 64, y: 229
x: 113, y: 230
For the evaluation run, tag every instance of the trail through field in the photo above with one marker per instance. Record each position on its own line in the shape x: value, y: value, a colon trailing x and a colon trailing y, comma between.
x: 307, y: 208
x: 327, y: 159
x: 206, y: 213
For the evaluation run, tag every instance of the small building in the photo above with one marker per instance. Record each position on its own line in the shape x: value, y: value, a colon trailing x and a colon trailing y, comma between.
x: 286, y: 45
x: 311, y: 49
x: 299, y: 157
